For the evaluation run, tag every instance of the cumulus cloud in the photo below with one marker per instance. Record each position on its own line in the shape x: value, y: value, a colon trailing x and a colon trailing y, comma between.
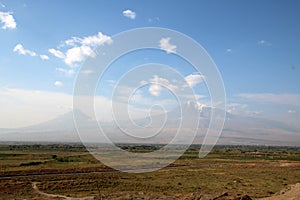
x: 129, y: 13
x: 58, y: 84
x: 155, y: 89
x: 165, y: 45
x: 77, y: 54
x: 57, y: 53
x: 157, y: 84
x: 194, y: 79
x: 44, y: 57
x: 8, y: 20
x: 66, y: 72
x: 96, y: 40
x: 21, y: 50
x: 79, y: 49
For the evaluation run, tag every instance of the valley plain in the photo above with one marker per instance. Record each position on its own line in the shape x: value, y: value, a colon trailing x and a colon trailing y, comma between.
x: 69, y: 171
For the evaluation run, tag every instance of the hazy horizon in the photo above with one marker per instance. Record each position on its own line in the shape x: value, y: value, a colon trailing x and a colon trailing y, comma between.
x: 253, y: 45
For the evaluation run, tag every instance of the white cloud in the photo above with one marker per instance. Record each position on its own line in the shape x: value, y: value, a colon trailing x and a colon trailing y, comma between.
x: 44, y: 57
x: 58, y: 84
x: 155, y: 89
x: 80, y: 48
x: 228, y: 50
x: 291, y: 111
x: 91, y: 41
x: 129, y: 13
x: 194, y: 79
x: 21, y: 50
x: 8, y: 20
x: 66, y: 72
x: 77, y: 54
x: 165, y: 45
x: 57, y: 53
x: 71, y: 42
x: 96, y: 40
x: 157, y: 84
x: 2, y: 5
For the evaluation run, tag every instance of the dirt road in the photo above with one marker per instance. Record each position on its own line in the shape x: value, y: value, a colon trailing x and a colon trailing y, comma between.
x: 291, y: 193
x: 36, y: 189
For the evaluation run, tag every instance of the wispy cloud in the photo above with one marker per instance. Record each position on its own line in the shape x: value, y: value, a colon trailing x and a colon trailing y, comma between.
x: 87, y: 72
x: 2, y: 5
x: 165, y: 45
x: 286, y: 99
x: 8, y: 20
x: 156, y: 19
x: 21, y: 50
x: 129, y: 13
x: 291, y: 111
x: 229, y: 50
x: 66, y: 72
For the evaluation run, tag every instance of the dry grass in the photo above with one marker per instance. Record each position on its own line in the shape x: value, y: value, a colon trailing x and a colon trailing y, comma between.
x: 220, y: 172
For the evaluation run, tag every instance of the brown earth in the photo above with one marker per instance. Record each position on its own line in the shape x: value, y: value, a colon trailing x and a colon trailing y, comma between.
x: 290, y: 193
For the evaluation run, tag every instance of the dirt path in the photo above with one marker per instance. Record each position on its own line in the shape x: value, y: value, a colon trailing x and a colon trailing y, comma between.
x: 291, y: 193
x: 36, y: 189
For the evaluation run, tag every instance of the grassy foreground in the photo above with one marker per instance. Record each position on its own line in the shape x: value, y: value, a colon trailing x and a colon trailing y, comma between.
x: 70, y: 170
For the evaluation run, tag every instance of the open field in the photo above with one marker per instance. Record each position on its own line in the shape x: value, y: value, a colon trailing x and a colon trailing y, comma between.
x: 65, y: 171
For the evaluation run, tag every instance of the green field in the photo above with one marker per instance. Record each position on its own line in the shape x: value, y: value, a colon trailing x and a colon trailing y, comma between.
x: 70, y: 170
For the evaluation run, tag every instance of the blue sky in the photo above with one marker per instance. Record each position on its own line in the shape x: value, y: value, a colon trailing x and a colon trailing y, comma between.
x: 255, y: 45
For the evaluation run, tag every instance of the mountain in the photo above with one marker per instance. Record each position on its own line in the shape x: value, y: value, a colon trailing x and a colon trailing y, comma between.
x: 237, y: 129
x: 60, y: 129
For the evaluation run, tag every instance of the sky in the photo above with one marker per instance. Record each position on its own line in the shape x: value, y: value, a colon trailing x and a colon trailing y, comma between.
x: 254, y: 44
